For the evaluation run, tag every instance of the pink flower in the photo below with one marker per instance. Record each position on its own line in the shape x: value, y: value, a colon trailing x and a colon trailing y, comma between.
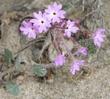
x: 27, y: 29
x: 55, y: 13
x: 98, y: 37
x: 70, y: 28
x: 76, y: 66
x: 83, y: 51
x: 41, y: 22
x: 59, y: 60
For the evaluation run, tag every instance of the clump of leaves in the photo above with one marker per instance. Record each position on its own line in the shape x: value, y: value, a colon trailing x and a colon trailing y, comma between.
x: 10, y: 65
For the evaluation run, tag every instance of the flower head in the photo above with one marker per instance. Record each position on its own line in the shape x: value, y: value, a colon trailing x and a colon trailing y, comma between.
x: 83, y: 51
x: 41, y: 21
x: 27, y: 29
x: 59, y: 60
x: 76, y: 66
x: 70, y: 28
x: 98, y: 37
x: 55, y: 12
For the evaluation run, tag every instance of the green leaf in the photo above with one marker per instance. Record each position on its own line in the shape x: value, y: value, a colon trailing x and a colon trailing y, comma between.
x: 12, y: 88
x: 18, y: 63
x: 8, y: 56
x: 89, y: 44
x: 66, y: 6
x: 39, y: 70
x: 91, y: 48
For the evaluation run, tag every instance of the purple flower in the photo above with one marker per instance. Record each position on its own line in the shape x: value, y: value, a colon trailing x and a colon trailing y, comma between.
x: 59, y: 60
x: 70, y: 28
x: 83, y: 51
x: 27, y: 29
x: 55, y: 13
x: 76, y: 66
x: 41, y: 22
x: 98, y: 37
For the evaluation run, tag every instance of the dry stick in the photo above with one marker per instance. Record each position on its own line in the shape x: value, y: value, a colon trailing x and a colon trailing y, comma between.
x: 7, y: 72
x: 70, y: 54
x: 47, y: 42
x: 31, y: 43
x: 54, y: 42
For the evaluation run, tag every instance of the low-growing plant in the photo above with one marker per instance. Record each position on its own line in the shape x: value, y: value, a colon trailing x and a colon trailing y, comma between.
x: 53, y: 21
x: 65, y: 42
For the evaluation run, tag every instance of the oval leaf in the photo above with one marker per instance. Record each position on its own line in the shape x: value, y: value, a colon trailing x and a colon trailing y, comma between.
x: 12, y: 88
x: 8, y: 56
x: 39, y: 70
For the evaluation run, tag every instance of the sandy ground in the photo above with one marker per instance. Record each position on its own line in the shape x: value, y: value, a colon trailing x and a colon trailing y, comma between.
x: 94, y: 86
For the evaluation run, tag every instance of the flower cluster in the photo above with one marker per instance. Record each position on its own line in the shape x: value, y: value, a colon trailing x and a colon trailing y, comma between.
x: 59, y: 60
x: 42, y: 21
x: 51, y: 17
x: 83, y: 51
x: 70, y: 28
x: 98, y: 37
x: 28, y: 29
x: 76, y: 66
